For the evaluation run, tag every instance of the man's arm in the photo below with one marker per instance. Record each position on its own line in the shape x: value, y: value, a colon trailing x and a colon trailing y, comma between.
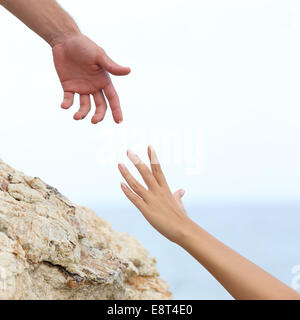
x: 82, y: 66
x: 44, y: 17
x: 165, y: 212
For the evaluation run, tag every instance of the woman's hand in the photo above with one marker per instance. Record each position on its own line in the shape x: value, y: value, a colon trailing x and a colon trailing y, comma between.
x: 83, y: 68
x: 163, y: 210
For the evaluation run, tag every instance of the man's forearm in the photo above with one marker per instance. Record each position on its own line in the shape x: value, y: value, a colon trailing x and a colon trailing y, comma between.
x: 45, y: 17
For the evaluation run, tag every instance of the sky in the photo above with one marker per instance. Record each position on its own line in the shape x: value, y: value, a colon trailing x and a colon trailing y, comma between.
x: 214, y: 88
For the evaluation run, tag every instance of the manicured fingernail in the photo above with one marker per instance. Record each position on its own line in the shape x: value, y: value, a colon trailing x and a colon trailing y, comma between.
x: 123, y: 185
x: 133, y: 157
x: 122, y: 166
x: 153, y: 156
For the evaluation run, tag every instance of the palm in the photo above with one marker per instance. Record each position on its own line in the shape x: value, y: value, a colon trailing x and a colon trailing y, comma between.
x: 83, y: 68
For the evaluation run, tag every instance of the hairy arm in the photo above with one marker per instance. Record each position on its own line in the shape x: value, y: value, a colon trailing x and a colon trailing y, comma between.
x: 82, y: 66
x: 45, y: 17
x: 165, y: 212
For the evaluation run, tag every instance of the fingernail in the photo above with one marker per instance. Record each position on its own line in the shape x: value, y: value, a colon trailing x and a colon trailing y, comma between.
x: 122, y: 166
x: 153, y: 156
x: 133, y: 157
x: 123, y: 185
x: 182, y: 192
x: 120, y: 121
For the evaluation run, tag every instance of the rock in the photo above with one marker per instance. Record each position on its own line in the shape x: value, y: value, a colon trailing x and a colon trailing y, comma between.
x: 51, y: 248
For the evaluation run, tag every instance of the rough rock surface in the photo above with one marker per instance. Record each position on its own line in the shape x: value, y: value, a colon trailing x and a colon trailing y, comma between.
x: 53, y: 249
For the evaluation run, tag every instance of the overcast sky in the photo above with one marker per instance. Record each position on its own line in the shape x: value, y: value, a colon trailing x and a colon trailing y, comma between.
x: 214, y: 87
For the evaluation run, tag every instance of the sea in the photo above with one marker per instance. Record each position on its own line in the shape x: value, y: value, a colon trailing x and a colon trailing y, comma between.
x: 268, y: 235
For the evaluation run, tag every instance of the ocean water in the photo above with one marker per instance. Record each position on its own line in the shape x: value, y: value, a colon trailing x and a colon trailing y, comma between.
x: 266, y: 234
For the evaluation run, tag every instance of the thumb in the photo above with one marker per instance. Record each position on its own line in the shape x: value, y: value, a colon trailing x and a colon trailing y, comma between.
x: 178, y: 195
x: 109, y: 65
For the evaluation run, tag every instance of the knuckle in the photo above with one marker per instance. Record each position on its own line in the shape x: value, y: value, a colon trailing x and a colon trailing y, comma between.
x: 156, y: 169
x: 130, y: 196
x: 144, y: 168
x: 134, y: 199
x: 151, y: 197
x: 134, y: 185
x: 145, y: 172
x: 162, y: 192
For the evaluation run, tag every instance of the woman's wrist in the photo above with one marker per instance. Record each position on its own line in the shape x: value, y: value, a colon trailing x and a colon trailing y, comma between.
x: 186, y: 232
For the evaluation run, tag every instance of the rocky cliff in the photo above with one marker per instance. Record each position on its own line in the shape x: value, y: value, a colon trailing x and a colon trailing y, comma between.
x: 51, y: 248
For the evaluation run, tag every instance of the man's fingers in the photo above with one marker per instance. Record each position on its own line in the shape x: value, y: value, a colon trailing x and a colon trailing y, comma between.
x: 143, y: 170
x: 101, y: 107
x: 133, y: 183
x: 68, y: 100
x: 109, y: 65
x: 136, y: 200
x: 85, y: 107
x: 114, y: 102
x: 156, y: 168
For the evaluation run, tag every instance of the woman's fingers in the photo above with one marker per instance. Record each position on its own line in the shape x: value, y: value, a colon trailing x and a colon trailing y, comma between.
x: 156, y: 168
x: 178, y: 197
x: 136, y: 200
x: 133, y: 183
x: 101, y: 107
x: 143, y: 170
x: 68, y: 100
x: 85, y: 107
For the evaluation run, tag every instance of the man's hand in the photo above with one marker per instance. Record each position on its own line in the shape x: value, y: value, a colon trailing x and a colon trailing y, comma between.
x: 81, y: 65
x: 84, y: 68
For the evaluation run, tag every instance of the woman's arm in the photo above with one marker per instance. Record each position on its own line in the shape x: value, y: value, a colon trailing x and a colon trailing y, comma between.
x: 165, y: 212
x: 239, y: 276
x: 82, y: 66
